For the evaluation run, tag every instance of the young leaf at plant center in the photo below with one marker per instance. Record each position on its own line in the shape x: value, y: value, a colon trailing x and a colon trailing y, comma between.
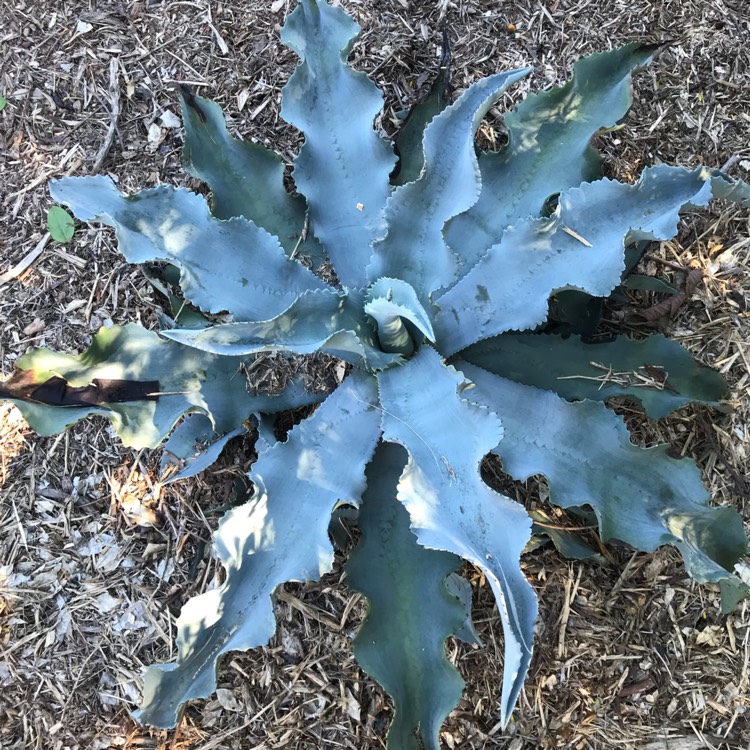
x: 60, y: 224
x: 394, y: 307
x: 410, y: 613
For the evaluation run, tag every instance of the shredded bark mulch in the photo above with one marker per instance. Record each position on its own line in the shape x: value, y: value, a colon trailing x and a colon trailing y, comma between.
x: 96, y: 557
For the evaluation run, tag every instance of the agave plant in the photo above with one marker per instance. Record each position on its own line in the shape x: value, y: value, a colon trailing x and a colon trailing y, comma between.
x: 444, y: 273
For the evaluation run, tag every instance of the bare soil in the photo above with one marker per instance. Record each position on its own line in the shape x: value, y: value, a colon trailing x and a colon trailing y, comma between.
x: 96, y: 558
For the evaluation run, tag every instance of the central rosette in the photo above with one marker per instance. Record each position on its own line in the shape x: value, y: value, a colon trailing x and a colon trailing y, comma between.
x: 401, y: 320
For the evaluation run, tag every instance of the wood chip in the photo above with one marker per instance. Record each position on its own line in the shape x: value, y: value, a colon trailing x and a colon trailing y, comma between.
x: 26, y: 261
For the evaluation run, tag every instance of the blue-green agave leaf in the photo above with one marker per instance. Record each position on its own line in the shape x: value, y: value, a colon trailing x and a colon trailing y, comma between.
x: 265, y: 424
x: 414, y: 249
x: 225, y: 265
x: 179, y: 379
x: 643, y: 282
x: 461, y: 589
x: 410, y: 612
x: 192, y: 447
x: 548, y: 148
x: 580, y: 246
x: 326, y: 321
x: 343, y: 166
x: 451, y: 508
x: 657, y: 371
x: 641, y: 496
x: 297, y: 485
x: 571, y: 311
x: 183, y: 315
x: 182, y: 380
x: 733, y: 591
x: 246, y: 179
x: 408, y: 140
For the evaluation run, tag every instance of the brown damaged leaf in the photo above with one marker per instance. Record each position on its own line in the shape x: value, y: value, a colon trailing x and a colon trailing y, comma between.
x: 56, y: 391
x: 668, y: 308
x: 660, y: 377
x: 693, y: 279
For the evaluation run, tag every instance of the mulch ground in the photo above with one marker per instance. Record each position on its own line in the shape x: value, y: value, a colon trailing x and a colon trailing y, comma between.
x: 96, y: 558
